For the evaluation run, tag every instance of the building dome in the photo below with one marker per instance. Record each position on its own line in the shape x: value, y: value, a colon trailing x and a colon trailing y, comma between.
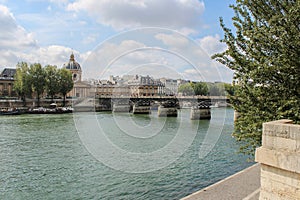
x: 72, y: 64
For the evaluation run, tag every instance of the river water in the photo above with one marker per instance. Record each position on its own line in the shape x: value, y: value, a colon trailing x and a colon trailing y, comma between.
x: 44, y: 157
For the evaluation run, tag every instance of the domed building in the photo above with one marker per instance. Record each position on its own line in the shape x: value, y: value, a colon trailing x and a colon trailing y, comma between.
x: 75, y: 68
x: 81, y: 88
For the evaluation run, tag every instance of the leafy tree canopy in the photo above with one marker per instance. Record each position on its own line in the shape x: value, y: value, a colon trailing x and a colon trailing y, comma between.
x: 52, y: 80
x: 200, y: 88
x: 37, y: 75
x: 22, y: 85
x: 65, y: 82
x: 263, y: 50
x: 39, y: 79
x: 186, y: 89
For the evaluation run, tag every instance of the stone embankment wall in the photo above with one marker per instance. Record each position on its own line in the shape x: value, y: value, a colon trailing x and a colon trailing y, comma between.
x: 31, y: 103
x: 280, y: 161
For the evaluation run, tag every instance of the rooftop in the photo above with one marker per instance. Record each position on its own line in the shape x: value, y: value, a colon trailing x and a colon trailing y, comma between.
x: 8, y: 73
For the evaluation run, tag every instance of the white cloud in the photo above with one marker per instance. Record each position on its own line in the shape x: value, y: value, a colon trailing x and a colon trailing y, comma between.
x: 13, y: 36
x: 54, y: 55
x: 212, y: 44
x: 144, y: 49
x: 174, y: 40
x: 17, y: 45
x: 97, y: 63
x: 174, y: 14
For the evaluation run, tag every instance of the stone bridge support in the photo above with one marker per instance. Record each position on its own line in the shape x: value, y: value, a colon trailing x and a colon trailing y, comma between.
x: 280, y: 161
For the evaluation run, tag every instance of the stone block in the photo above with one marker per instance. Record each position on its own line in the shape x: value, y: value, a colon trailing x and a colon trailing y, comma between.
x: 269, y: 174
x: 284, y: 144
x: 279, y: 143
x: 265, y: 182
x: 278, y: 128
x: 271, y: 189
x: 295, y: 131
x: 265, y: 156
x: 280, y: 161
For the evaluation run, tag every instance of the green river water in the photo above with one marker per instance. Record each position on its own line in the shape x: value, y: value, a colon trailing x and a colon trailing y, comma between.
x: 44, y: 157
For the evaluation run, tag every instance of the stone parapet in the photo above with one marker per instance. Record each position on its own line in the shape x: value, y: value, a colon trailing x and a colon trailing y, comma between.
x: 280, y: 161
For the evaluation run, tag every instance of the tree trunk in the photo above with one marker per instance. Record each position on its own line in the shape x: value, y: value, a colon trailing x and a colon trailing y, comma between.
x: 24, y: 100
x: 38, y: 100
x: 64, y: 100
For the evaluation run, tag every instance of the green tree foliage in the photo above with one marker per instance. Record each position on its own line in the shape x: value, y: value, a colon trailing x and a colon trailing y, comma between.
x: 52, y: 80
x: 65, y: 83
x: 214, y: 90
x: 200, y: 88
x: 263, y: 50
x: 229, y: 89
x: 186, y: 89
x: 22, y: 85
x: 38, y: 79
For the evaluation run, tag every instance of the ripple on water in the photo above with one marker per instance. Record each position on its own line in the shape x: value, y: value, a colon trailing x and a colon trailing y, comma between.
x: 42, y: 157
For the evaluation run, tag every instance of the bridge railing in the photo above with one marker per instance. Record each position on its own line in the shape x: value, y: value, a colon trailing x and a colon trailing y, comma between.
x: 164, y: 97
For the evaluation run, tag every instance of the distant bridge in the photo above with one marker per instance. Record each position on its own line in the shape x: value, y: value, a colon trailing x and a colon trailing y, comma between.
x: 165, y: 98
x: 106, y: 102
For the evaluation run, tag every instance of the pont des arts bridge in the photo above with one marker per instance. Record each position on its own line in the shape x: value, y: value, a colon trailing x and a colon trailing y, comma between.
x: 105, y: 103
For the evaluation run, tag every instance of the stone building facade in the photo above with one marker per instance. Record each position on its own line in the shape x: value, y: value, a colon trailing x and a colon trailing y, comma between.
x: 7, y: 83
x: 81, y: 88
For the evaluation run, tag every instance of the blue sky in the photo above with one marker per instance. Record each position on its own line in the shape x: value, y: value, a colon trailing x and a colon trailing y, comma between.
x: 48, y: 31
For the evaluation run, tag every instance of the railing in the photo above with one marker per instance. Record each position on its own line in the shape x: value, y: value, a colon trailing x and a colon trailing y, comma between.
x: 163, y: 97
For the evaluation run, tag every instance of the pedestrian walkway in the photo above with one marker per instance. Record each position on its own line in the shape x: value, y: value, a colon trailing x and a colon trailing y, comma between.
x: 244, y: 185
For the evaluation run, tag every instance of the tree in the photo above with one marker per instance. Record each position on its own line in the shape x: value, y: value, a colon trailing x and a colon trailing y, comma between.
x: 229, y: 89
x: 214, y: 90
x: 22, y: 84
x: 38, y: 79
x: 200, y: 88
x: 65, y: 83
x: 186, y: 89
x: 263, y: 51
x: 52, y: 81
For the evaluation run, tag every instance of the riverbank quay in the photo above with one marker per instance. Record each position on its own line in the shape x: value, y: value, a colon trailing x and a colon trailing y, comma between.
x: 47, y: 106
x: 30, y: 103
x: 244, y: 185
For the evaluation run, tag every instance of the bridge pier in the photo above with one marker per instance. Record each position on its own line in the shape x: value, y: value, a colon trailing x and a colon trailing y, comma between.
x: 167, y: 112
x: 121, y: 107
x: 141, y: 107
x: 104, y: 105
x: 168, y: 109
x: 200, y: 111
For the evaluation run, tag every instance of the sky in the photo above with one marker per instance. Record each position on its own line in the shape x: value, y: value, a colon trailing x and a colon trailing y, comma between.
x: 161, y: 38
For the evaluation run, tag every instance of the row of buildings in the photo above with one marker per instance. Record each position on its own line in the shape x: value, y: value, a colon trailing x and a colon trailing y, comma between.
x: 127, y: 85
x: 137, y: 86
